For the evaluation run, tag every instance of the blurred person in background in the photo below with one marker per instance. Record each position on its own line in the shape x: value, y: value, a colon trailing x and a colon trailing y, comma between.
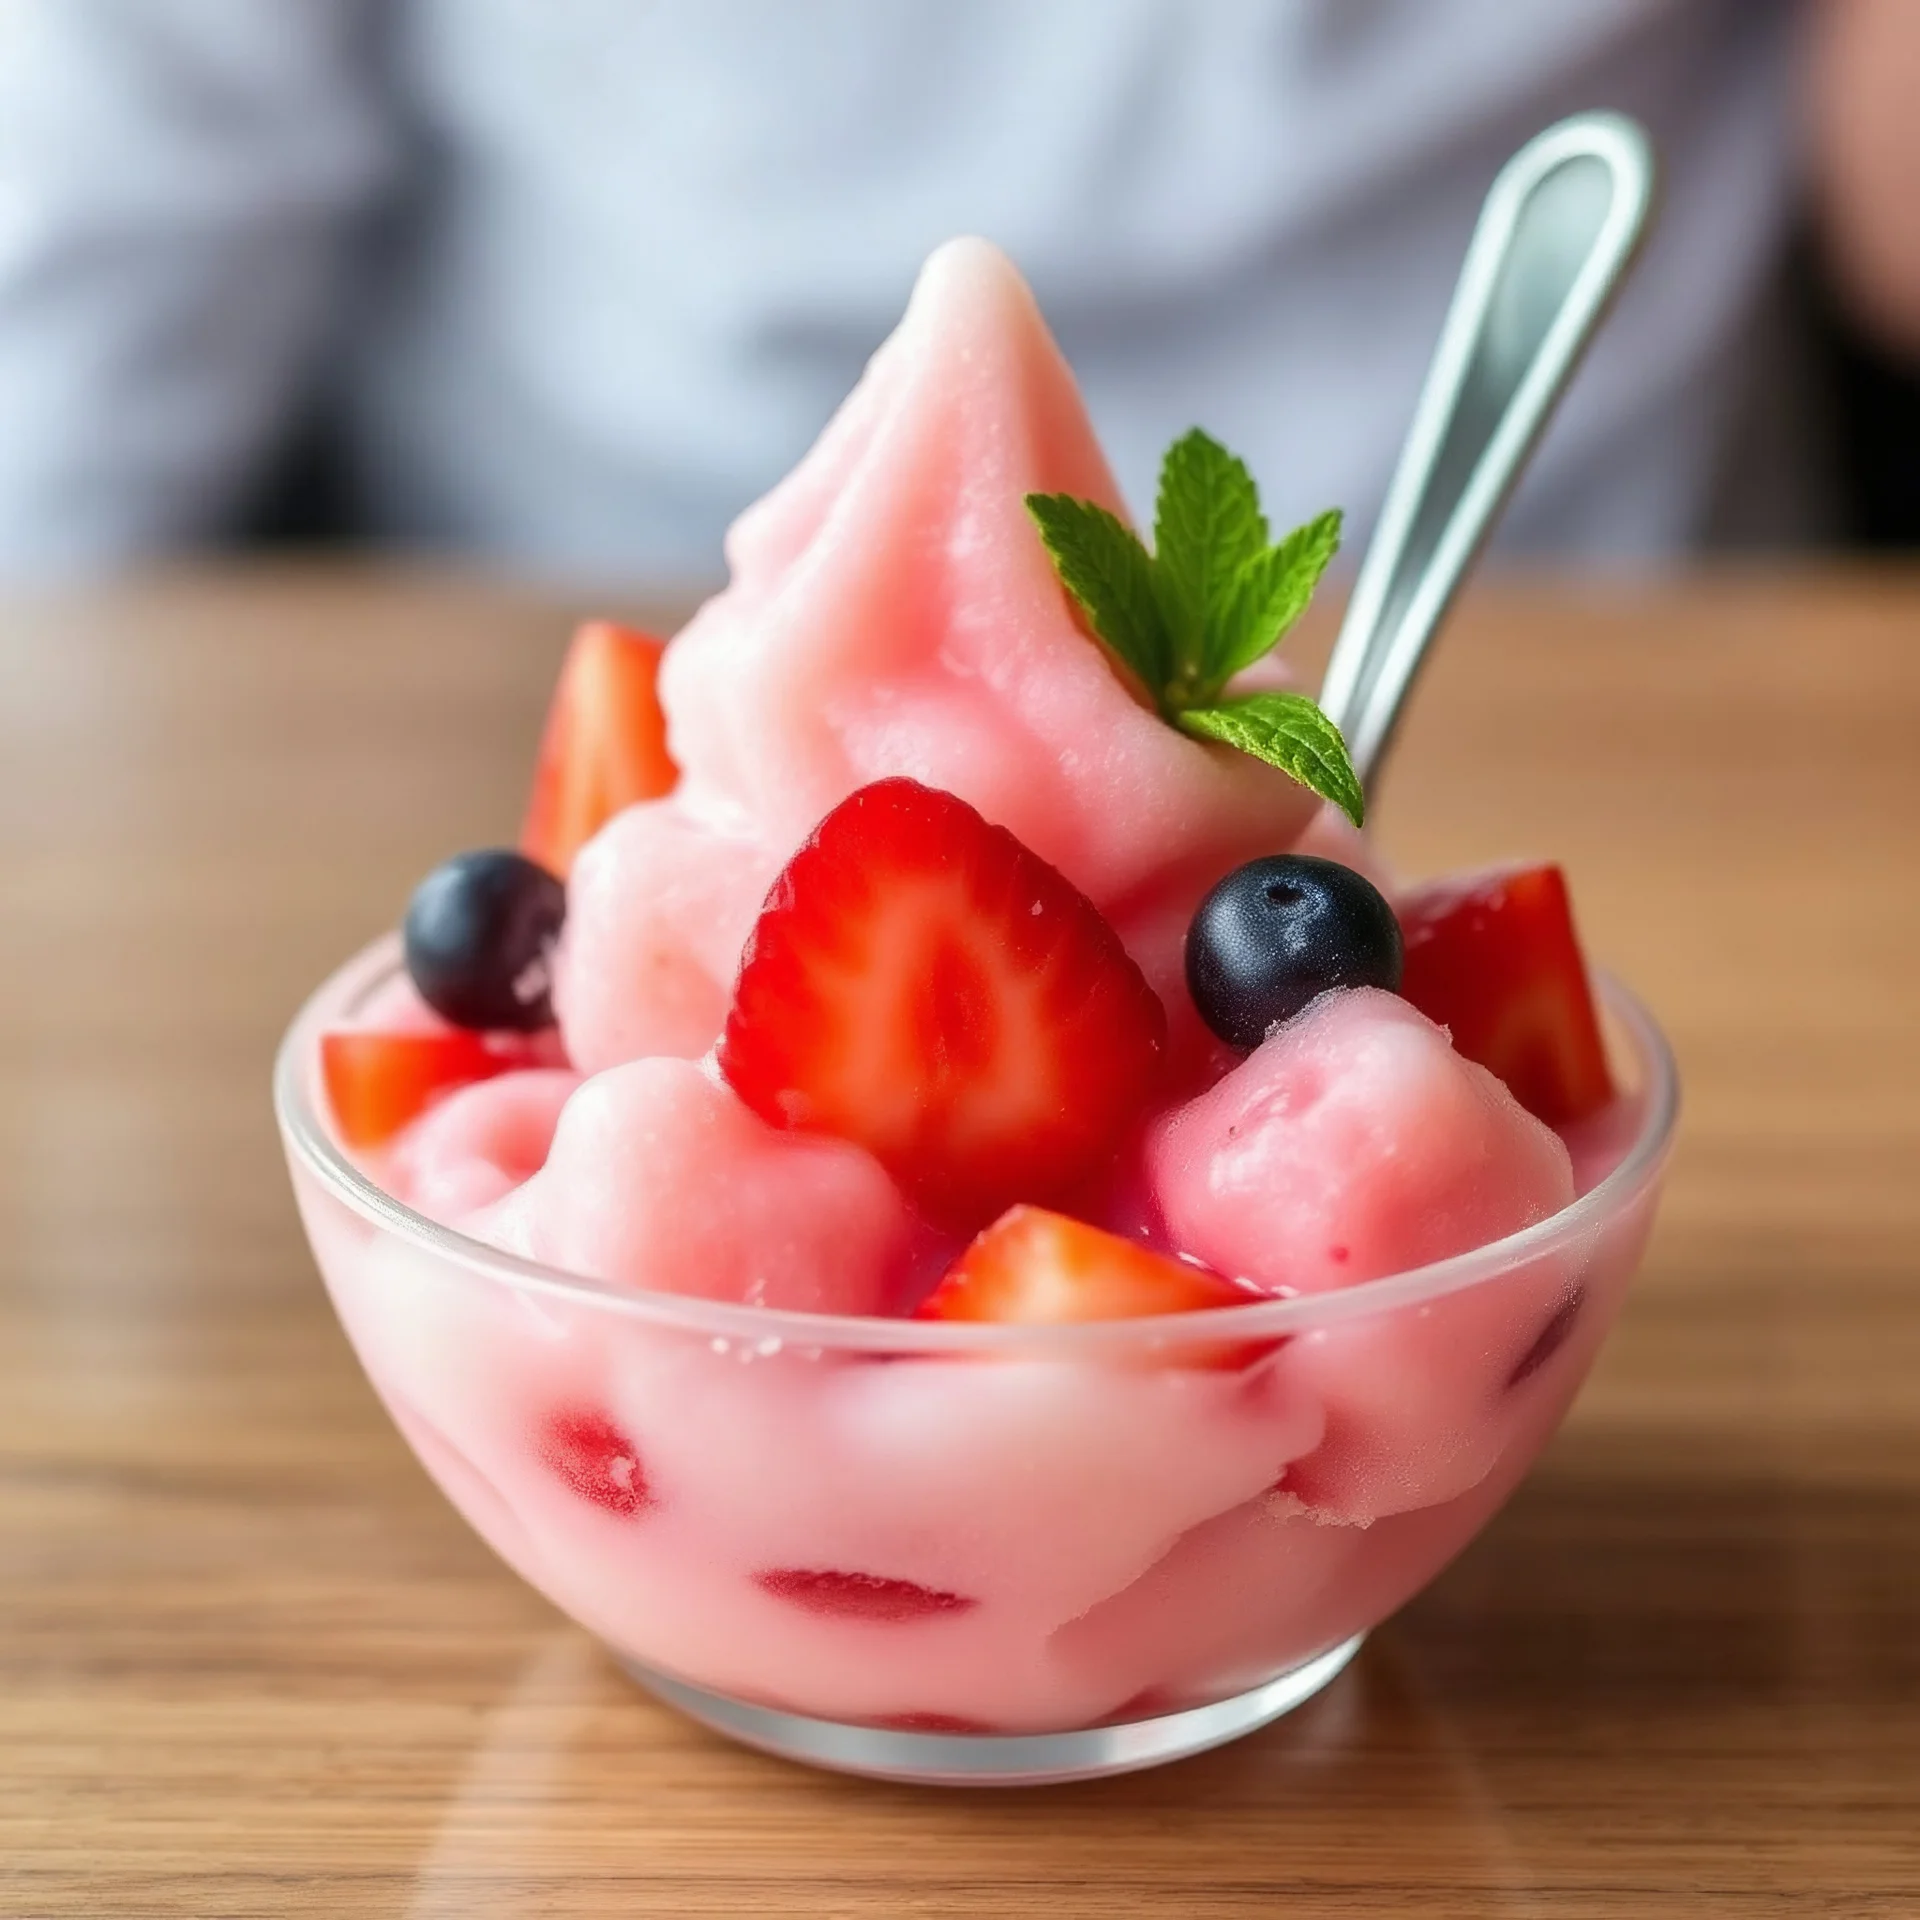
x: 568, y: 282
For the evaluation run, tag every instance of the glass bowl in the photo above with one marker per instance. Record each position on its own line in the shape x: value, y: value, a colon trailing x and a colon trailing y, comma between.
x: 976, y: 1553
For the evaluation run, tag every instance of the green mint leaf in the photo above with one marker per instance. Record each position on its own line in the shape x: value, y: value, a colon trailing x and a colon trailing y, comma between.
x: 1289, y: 732
x: 1267, y: 594
x: 1207, y: 524
x: 1109, y: 573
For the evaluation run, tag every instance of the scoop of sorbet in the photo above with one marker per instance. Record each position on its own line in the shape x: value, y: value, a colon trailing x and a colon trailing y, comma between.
x: 892, y: 611
x: 1356, y: 1143
x: 659, y: 1179
x: 478, y: 1144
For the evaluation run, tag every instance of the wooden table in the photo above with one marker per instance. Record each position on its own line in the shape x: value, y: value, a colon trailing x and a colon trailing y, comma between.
x: 250, y: 1663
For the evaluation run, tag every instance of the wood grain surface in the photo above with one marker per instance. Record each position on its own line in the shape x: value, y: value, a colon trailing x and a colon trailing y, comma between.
x: 250, y: 1663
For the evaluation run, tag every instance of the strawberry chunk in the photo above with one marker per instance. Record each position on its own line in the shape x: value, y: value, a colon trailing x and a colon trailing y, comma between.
x: 921, y: 984
x: 1035, y: 1268
x: 921, y: 1722
x: 859, y: 1596
x: 377, y: 1082
x: 1494, y: 959
x: 605, y: 743
x: 592, y: 1456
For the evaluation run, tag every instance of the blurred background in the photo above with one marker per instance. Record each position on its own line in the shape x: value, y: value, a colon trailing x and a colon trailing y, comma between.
x: 566, y: 283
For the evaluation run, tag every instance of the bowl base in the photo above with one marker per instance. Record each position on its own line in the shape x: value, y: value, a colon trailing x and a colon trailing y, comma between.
x: 998, y: 1760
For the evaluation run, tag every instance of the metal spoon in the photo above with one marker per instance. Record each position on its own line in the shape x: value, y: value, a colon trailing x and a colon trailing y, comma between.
x: 1560, y: 227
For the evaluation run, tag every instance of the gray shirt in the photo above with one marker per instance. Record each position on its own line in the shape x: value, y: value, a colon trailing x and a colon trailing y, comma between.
x: 577, y: 279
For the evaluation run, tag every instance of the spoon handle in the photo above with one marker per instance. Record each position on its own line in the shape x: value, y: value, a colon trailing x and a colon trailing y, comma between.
x: 1559, y: 229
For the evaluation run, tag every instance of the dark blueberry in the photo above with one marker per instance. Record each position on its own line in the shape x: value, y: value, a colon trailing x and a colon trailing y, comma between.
x: 1276, y: 933
x: 480, y: 934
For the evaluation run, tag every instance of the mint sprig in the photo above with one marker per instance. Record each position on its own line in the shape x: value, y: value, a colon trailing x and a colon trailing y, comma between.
x: 1288, y: 731
x: 1207, y: 525
x: 1213, y: 597
x: 1101, y: 562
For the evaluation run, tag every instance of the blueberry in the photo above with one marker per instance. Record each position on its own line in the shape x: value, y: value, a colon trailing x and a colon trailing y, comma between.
x: 1276, y: 933
x: 480, y: 934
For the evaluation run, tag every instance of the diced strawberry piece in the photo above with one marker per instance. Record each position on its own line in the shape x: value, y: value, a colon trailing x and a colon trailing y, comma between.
x: 921, y: 984
x: 605, y: 743
x: 1494, y: 958
x: 1035, y: 1268
x: 914, y: 1722
x: 377, y: 1082
x: 593, y: 1457
x: 1550, y: 1339
x: 859, y: 1596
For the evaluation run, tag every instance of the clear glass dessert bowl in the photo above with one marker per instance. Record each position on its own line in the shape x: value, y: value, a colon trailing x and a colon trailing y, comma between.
x: 977, y: 1553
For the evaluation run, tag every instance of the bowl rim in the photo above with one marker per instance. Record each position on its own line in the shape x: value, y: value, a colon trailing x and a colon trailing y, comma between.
x: 310, y: 1146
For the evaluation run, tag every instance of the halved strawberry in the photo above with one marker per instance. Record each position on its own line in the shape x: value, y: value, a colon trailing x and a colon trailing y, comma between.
x: 1034, y: 1268
x: 605, y: 743
x: 920, y: 983
x: 377, y: 1082
x: 1494, y: 958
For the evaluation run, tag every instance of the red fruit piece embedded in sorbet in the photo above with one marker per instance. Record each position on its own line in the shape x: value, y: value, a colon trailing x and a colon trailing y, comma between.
x: 605, y: 743
x: 1550, y: 1339
x: 923, y: 985
x: 1494, y: 959
x: 928, y: 1723
x: 597, y: 1460
x: 859, y: 1596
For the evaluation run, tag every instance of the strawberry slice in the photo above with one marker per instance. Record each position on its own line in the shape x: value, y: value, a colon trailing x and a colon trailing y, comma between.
x: 1034, y: 1268
x: 605, y: 743
x: 377, y: 1082
x: 1493, y: 957
x: 859, y: 1596
x: 921, y: 984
